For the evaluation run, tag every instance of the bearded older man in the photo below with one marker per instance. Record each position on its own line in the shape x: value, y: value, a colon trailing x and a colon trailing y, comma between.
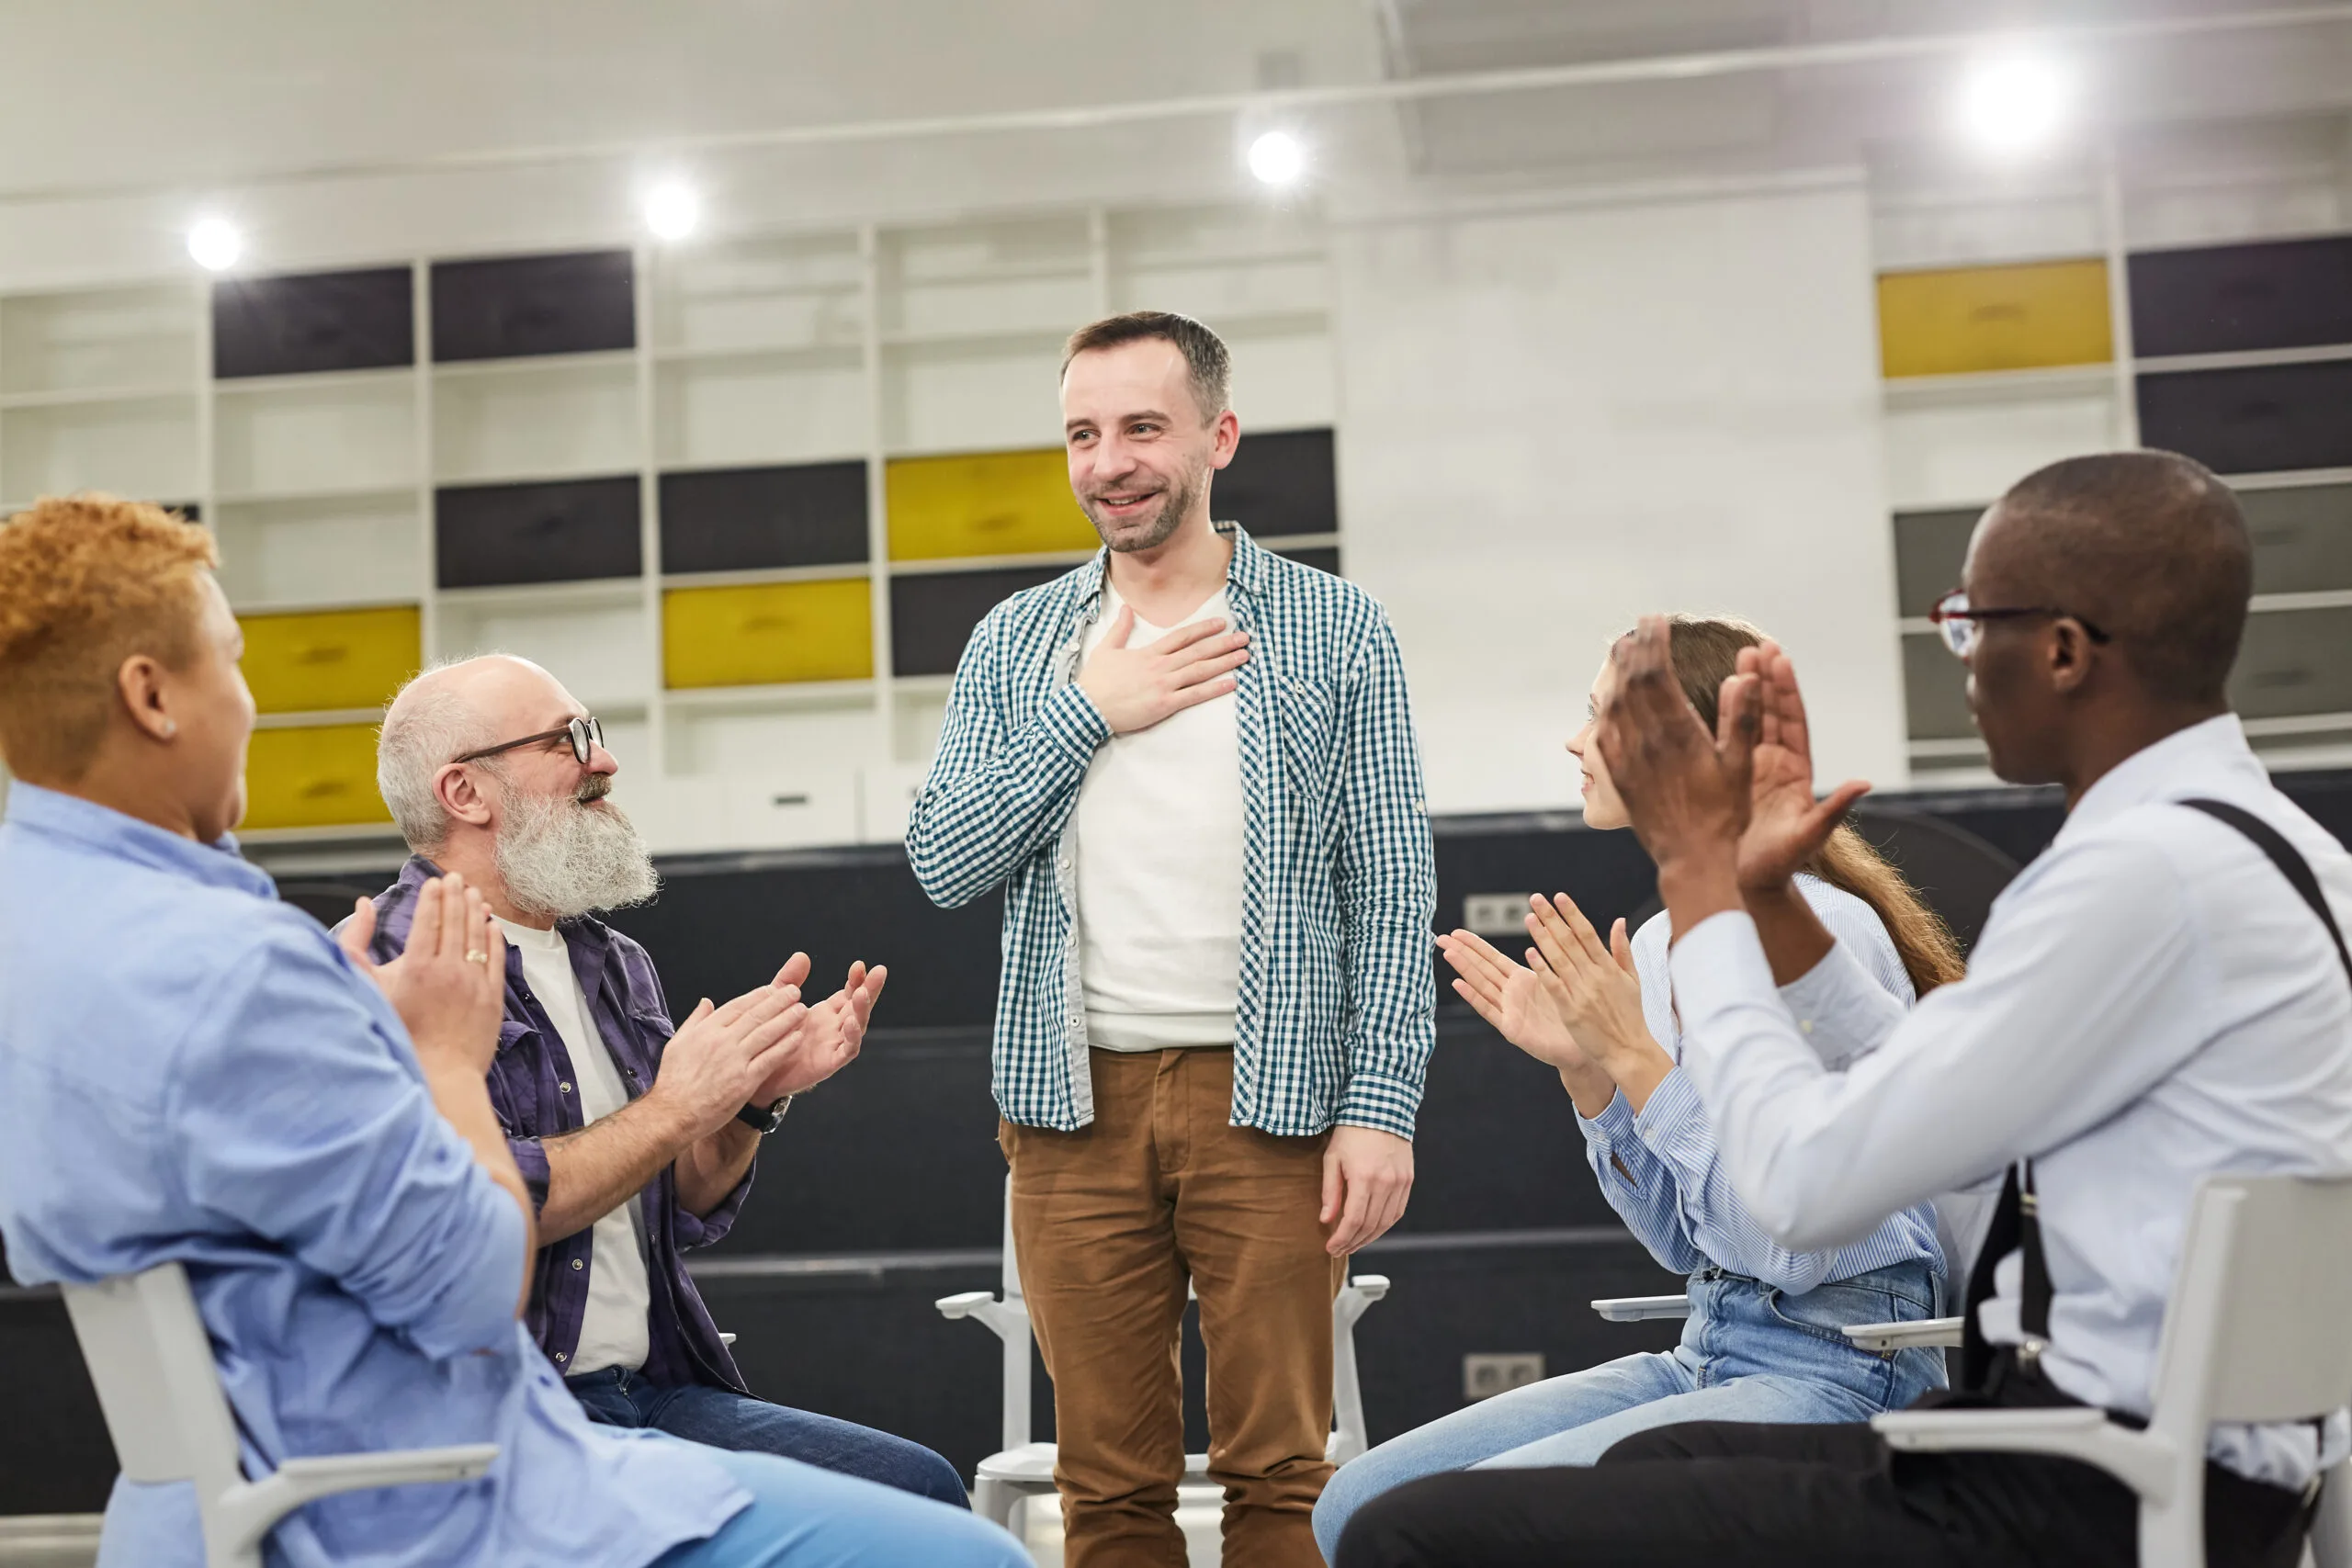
x: 635, y: 1140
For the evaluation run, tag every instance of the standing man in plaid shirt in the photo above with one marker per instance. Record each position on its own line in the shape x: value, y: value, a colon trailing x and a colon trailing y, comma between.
x: 1190, y: 766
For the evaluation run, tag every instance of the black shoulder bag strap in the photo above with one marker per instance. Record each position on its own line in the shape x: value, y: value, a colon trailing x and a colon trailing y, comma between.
x: 2017, y: 1225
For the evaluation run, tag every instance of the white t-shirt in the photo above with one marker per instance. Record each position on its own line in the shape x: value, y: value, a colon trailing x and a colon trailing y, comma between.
x: 613, y: 1333
x: 1160, y: 832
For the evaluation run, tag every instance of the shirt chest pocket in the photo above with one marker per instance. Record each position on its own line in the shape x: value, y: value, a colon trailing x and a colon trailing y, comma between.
x: 1307, y: 723
x: 514, y: 1082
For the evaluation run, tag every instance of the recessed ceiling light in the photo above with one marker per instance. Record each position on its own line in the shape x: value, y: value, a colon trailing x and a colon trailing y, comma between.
x: 1278, y: 158
x: 215, y: 244
x: 672, y: 211
x: 2013, y: 103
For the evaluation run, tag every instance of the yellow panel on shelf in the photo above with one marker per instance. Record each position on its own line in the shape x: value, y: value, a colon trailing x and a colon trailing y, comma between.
x: 313, y: 776
x: 1960, y: 321
x: 332, y: 658
x: 989, y: 503
x: 768, y: 634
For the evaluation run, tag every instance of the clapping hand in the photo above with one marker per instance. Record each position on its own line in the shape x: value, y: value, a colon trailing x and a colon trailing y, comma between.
x: 830, y: 1037
x: 1590, y: 984
x: 1786, y: 827
x: 1514, y: 998
x: 449, y: 984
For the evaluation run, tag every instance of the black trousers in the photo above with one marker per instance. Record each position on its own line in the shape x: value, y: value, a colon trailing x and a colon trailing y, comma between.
x: 1721, y: 1495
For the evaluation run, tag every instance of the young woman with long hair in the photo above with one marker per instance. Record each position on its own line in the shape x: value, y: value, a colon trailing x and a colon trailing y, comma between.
x: 1763, y: 1341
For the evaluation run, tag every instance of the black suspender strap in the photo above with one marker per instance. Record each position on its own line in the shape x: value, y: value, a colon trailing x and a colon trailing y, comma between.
x: 2017, y: 1222
x: 2283, y: 855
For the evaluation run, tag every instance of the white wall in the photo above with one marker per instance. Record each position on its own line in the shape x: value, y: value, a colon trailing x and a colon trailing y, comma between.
x: 1555, y: 421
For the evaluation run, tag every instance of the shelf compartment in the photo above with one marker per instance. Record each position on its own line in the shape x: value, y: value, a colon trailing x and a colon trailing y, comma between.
x: 754, y: 519
x: 539, y: 423
x: 1961, y: 320
x: 1935, y: 690
x: 593, y: 640
x: 321, y: 550
x: 932, y: 614
x: 2292, y: 663
x: 491, y: 536
x: 769, y: 731
x: 1021, y: 274
x: 992, y: 504
x: 1280, y: 482
x: 303, y: 324
x: 768, y: 634
x: 789, y: 406
x: 795, y: 292
x: 1929, y: 547
x: 1956, y: 455
x: 2302, y: 537
x: 327, y: 659
x: 99, y: 338
x: 2230, y: 298
x: 289, y: 440
x: 2265, y: 420
x: 145, y: 449
x: 313, y: 776
x: 972, y: 394
x: 511, y: 307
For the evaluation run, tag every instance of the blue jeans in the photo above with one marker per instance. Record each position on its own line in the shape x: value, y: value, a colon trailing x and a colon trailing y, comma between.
x: 1749, y: 1352
x: 804, y: 1517
x: 721, y: 1418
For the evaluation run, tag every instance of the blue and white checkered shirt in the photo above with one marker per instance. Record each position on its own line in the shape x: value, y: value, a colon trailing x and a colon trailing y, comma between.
x: 1337, y: 1004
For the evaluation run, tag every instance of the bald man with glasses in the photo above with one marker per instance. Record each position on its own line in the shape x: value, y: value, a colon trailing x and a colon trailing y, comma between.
x: 635, y: 1139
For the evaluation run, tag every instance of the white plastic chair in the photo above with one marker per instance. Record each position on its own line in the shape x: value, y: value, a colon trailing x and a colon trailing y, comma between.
x: 1024, y: 1469
x: 1883, y: 1338
x: 151, y: 1364
x: 2254, y: 1332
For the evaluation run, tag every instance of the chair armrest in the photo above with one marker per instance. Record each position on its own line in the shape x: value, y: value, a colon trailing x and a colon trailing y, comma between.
x: 249, y: 1510
x: 964, y: 1305
x: 1371, y: 1286
x: 1009, y: 1321
x: 2142, y: 1460
x: 1936, y: 1331
x: 1641, y: 1309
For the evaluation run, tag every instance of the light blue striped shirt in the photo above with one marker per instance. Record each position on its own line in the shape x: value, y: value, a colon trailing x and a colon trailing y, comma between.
x: 1673, y: 1191
x: 1337, y: 1012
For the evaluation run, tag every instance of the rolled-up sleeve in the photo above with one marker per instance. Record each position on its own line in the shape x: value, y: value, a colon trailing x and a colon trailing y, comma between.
x: 302, y: 1114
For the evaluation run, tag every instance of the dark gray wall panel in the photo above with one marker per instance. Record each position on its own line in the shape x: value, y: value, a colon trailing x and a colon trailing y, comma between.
x: 1280, y: 481
x: 2295, y: 662
x: 512, y: 306
x: 313, y: 321
x: 2225, y: 299
x: 1935, y: 690
x: 749, y: 519
x: 2302, y: 537
x: 1928, y: 549
x: 2269, y: 419
x: 564, y: 532
x: 932, y: 614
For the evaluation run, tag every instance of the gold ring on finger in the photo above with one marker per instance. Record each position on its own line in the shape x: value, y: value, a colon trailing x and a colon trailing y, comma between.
x: 477, y: 956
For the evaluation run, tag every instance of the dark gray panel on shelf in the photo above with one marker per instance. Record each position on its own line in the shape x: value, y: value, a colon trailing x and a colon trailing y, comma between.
x: 750, y: 519
x: 2268, y: 419
x: 1280, y: 481
x: 1935, y: 690
x: 932, y: 614
x: 512, y: 306
x: 186, y: 510
x: 2228, y: 298
x: 1928, y: 549
x: 306, y: 323
x: 563, y: 532
x: 1323, y: 557
x: 2293, y: 664
x: 2302, y: 537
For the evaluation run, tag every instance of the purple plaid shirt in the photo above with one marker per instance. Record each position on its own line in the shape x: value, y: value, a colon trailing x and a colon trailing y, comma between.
x: 531, y: 1087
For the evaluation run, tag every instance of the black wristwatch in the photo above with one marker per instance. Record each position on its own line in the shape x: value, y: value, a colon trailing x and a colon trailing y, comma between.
x: 764, y: 1119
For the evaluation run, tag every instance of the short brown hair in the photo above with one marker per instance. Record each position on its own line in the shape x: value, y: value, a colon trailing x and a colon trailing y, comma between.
x: 86, y: 582
x: 1205, y: 352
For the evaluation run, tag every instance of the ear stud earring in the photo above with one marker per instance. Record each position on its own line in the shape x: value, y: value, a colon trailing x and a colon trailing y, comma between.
x: 171, y: 727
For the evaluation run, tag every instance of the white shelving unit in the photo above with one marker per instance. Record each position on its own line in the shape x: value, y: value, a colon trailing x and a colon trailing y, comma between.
x: 755, y: 350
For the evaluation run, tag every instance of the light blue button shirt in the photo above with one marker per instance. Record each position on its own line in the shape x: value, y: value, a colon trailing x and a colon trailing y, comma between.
x: 192, y: 1071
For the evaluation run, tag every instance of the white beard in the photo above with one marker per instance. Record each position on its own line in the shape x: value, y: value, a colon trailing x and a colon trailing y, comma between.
x: 561, y: 857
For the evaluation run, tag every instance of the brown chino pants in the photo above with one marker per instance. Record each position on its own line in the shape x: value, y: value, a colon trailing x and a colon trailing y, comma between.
x: 1108, y: 1221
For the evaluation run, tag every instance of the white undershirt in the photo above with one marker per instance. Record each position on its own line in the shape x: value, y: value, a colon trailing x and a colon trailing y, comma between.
x: 1160, y: 828
x: 613, y: 1332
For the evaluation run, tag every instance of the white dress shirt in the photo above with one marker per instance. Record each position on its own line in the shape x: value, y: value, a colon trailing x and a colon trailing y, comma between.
x: 2151, y: 1003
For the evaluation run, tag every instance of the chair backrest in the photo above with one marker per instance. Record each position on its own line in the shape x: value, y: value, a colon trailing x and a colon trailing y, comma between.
x: 151, y: 1361
x: 2256, y: 1331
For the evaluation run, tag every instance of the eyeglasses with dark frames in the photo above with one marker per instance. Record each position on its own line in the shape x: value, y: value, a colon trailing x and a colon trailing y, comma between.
x: 1961, y: 623
x: 584, y: 732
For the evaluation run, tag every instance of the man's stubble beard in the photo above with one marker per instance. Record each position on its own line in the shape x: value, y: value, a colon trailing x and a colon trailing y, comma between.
x: 1175, y: 505
x: 561, y: 857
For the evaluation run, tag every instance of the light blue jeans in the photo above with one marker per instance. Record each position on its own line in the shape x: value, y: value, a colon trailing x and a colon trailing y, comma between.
x: 1749, y: 1352
x: 802, y: 1517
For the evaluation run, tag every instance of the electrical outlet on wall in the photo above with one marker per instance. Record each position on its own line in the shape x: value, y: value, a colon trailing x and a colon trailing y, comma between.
x: 1486, y: 1375
x: 1496, y: 914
